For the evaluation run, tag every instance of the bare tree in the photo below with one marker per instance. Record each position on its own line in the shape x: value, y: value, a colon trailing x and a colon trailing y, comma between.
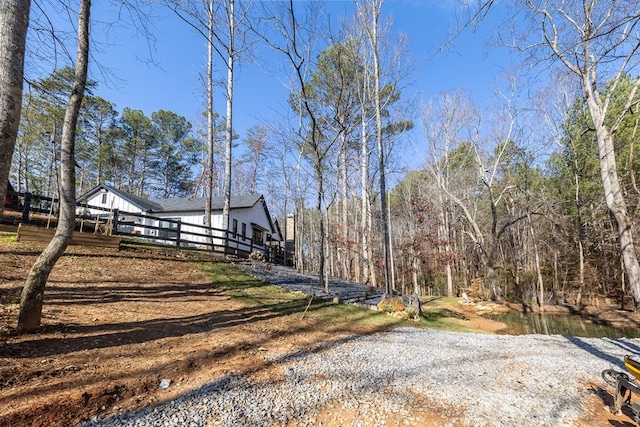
x: 598, y: 42
x: 466, y: 174
x: 295, y: 43
x: 32, y: 293
x: 553, y: 103
x: 232, y: 56
x: 210, y: 124
x: 387, y: 65
x: 231, y: 47
x: 14, y: 20
x: 201, y: 16
x: 365, y: 220
x: 373, y: 8
x: 256, y: 141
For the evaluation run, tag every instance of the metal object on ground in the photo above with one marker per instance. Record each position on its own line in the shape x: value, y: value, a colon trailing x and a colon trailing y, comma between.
x: 625, y: 386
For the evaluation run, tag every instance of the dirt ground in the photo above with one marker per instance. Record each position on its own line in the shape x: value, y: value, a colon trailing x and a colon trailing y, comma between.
x: 116, y: 323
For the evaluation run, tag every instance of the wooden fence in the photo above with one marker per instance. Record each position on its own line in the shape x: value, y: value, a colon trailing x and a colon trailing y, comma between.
x: 41, y: 234
x: 151, y: 230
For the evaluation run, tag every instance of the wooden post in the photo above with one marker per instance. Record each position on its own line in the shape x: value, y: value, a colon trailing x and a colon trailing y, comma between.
x: 178, y: 236
x: 114, y: 221
x: 212, y: 240
x: 26, y: 208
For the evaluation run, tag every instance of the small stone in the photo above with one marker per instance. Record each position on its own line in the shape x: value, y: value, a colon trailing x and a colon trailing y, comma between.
x: 165, y: 383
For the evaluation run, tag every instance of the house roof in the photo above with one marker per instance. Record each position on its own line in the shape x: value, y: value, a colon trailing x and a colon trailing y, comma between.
x: 198, y: 203
x: 276, y: 228
x: 140, y: 202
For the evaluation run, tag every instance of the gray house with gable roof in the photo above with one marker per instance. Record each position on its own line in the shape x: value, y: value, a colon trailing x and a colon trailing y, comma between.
x: 249, y: 218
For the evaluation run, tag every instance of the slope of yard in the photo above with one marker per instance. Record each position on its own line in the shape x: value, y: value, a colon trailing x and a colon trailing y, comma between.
x: 117, y: 323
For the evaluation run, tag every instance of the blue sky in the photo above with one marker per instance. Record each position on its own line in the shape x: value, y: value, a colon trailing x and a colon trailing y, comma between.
x: 174, y: 81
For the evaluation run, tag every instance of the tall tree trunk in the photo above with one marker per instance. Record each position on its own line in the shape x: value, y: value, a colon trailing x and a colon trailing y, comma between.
x: 297, y: 220
x: 299, y: 234
x: 537, y: 262
x: 132, y: 173
x: 496, y: 289
x: 364, y: 183
x: 325, y: 253
x: 33, y: 291
x: 376, y: 5
x: 52, y: 171
x: 14, y: 20
x: 346, y: 253
x: 210, y: 131
x: 492, y: 278
x: 392, y: 266
x: 321, y: 225
x: 414, y: 275
x: 444, y: 232
x: 229, y: 139
x: 581, y: 239
x: 570, y: 32
x: 143, y: 173
x: 372, y: 270
x: 448, y: 248
x: 556, y: 278
x: 581, y: 274
x: 615, y: 200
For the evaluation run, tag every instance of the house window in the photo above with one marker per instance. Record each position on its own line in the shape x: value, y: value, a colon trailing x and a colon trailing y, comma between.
x: 234, y: 229
x: 257, y: 236
x: 104, y: 198
x: 169, y: 229
x: 244, y: 231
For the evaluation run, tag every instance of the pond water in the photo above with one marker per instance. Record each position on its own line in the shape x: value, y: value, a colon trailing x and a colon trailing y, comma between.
x: 560, y: 324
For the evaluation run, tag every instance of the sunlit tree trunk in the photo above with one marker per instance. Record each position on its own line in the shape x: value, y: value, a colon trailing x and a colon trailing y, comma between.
x: 591, y: 39
x: 14, y: 20
x: 364, y: 184
x: 540, y: 281
x: 298, y: 219
x: 229, y: 136
x: 32, y: 294
x: 346, y: 274
x: 618, y: 207
x: 373, y: 8
x: 372, y: 270
x: 444, y: 233
x: 210, y: 126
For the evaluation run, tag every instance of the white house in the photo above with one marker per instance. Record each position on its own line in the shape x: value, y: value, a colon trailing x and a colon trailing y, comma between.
x: 249, y: 220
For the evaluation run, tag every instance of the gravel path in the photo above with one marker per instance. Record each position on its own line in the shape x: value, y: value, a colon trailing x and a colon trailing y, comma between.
x: 471, y: 379
x: 309, y: 283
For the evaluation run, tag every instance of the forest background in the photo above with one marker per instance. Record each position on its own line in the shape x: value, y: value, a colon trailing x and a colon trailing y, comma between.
x: 497, y: 191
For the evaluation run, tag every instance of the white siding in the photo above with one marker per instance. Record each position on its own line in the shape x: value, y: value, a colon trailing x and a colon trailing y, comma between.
x: 247, y: 216
x: 195, y: 218
x: 112, y: 202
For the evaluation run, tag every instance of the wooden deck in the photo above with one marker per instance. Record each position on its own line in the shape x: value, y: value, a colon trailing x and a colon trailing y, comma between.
x: 42, y: 234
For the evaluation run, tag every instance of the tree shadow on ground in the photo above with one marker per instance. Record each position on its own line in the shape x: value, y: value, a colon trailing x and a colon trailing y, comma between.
x: 584, y: 345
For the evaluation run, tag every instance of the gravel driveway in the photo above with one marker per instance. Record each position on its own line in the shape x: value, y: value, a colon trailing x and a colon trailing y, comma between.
x: 470, y: 379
